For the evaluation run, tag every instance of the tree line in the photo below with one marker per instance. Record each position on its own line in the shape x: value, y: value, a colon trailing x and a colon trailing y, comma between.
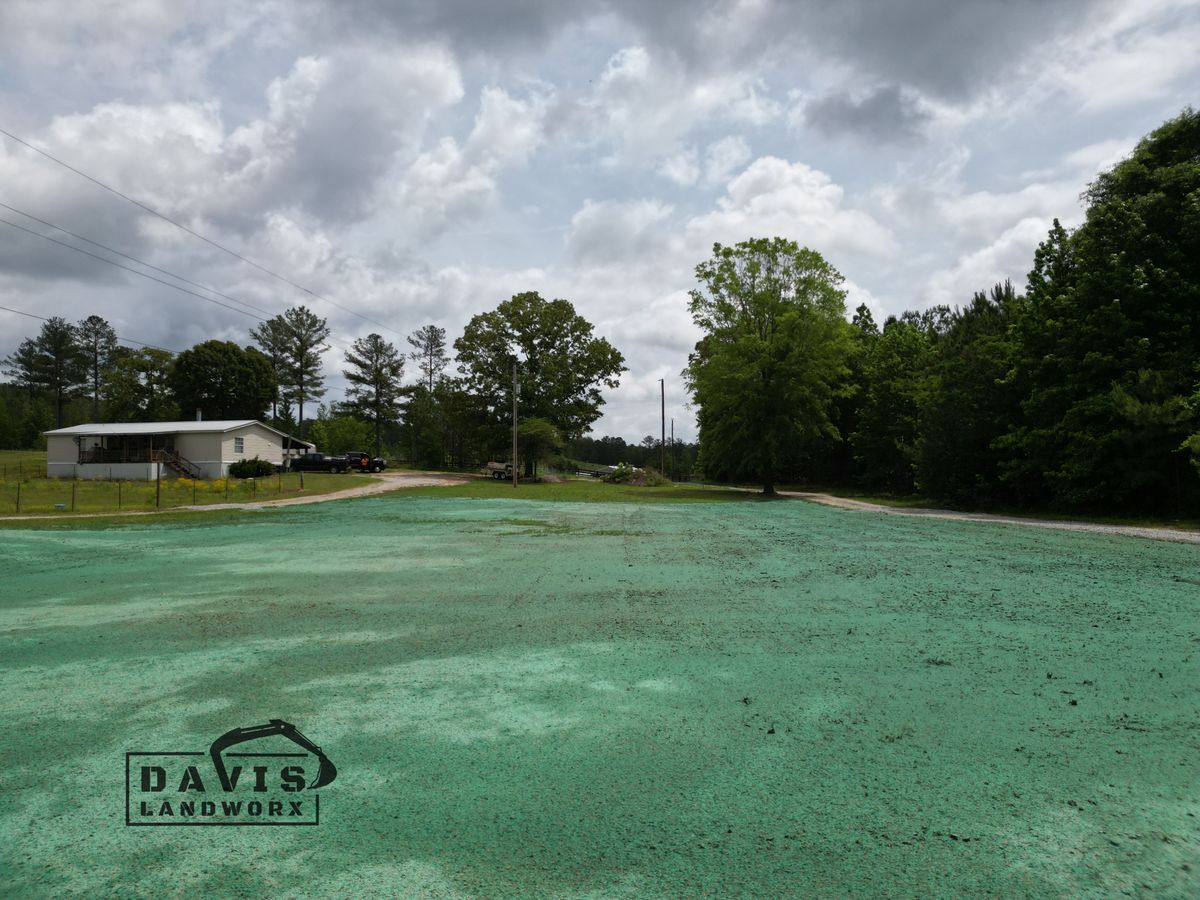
x: 1082, y: 393
x: 74, y: 372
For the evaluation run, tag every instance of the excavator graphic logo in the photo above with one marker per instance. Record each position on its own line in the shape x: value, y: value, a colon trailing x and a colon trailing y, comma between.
x: 223, y: 787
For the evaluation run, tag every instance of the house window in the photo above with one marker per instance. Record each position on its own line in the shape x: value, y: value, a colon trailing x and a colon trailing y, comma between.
x: 239, y: 445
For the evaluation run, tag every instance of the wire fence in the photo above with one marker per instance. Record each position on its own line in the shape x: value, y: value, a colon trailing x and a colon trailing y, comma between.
x: 66, y: 495
x: 16, y: 468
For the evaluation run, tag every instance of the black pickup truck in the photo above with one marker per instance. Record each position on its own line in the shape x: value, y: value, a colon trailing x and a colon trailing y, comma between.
x: 361, y: 461
x: 319, y: 462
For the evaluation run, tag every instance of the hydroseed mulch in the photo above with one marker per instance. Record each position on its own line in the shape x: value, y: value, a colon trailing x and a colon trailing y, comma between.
x: 528, y: 699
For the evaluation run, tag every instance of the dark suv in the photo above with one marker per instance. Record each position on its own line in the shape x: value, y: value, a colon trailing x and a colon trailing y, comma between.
x: 361, y: 461
x: 319, y: 462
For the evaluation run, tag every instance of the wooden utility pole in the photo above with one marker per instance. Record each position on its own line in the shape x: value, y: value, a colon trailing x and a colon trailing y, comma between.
x: 516, y: 390
x: 674, y: 460
x: 662, y: 466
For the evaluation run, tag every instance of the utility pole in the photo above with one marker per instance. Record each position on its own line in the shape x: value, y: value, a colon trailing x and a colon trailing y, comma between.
x: 662, y: 466
x: 516, y: 390
x: 674, y: 460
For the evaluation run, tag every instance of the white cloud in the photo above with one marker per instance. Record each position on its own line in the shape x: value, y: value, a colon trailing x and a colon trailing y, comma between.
x: 1128, y: 57
x: 776, y: 197
x: 1100, y: 156
x: 644, y: 102
x: 682, y: 167
x: 609, y: 231
x: 1010, y: 256
x: 507, y: 130
x: 723, y: 156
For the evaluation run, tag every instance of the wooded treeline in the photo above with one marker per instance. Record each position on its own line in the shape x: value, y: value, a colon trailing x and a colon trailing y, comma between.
x: 70, y: 373
x: 1081, y: 394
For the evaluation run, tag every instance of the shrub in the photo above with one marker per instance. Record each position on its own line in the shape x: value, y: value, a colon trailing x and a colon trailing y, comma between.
x: 251, y: 468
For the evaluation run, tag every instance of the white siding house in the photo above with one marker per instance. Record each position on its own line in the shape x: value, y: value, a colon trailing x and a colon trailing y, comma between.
x: 138, y: 450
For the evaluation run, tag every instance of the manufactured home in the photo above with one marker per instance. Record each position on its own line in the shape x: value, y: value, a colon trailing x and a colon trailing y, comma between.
x: 149, y: 450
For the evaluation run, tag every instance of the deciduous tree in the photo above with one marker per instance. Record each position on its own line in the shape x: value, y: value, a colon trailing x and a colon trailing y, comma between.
x: 222, y: 381
x: 138, y: 388
x: 775, y: 344
x: 562, y: 363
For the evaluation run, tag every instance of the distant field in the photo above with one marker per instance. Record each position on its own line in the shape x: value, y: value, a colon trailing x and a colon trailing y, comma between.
x: 588, y: 490
x: 554, y: 699
x: 65, y: 496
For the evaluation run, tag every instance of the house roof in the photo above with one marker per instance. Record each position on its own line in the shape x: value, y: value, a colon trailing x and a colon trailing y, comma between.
x: 93, y: 429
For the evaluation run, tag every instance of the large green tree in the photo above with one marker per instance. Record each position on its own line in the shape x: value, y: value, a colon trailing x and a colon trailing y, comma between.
x: 1108, y: 340
x: 562, y: 363
x: 52, y: 362
x: 293, y: 343
x: 138, y: 389
x: 775, y: 346
x: 222, y: 381
x: 333, y: 433
x: 272, y: 337
x: 966, y: 404
x: 375, y: 388
x: 98, y: 346
x: 885, y: 440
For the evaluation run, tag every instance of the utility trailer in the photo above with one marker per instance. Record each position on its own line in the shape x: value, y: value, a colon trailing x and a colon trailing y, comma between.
x: 500, y: 471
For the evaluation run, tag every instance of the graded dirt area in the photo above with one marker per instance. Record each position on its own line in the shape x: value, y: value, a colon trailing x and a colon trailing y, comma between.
x: 613, y: 700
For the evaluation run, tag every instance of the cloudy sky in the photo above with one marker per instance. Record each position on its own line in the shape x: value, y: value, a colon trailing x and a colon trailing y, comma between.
x: 418, y: 162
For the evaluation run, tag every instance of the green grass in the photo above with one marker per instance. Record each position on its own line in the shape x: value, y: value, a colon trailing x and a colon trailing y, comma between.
x: 21, y: 464
x: 587, y: 490
x: 64, y: 497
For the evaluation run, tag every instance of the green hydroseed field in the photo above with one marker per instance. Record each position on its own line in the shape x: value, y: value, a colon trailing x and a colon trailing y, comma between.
x: 526, y: 698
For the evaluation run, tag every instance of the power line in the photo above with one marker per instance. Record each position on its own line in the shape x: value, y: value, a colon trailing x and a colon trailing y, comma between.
x: 196, y: 234
x: 140, y: 262
x: 125, y: 340
x: 118, y: 265
x: 111, y: 262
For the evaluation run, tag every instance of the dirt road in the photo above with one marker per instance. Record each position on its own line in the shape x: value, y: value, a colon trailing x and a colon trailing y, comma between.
x: 1156, y: 534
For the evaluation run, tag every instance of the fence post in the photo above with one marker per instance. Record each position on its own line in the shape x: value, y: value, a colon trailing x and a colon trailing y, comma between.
x: 73, y: 483
x: 18, y: 498
x: 157, y: 484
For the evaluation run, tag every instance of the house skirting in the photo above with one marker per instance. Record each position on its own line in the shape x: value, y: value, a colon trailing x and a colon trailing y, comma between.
x: 144, y: 471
